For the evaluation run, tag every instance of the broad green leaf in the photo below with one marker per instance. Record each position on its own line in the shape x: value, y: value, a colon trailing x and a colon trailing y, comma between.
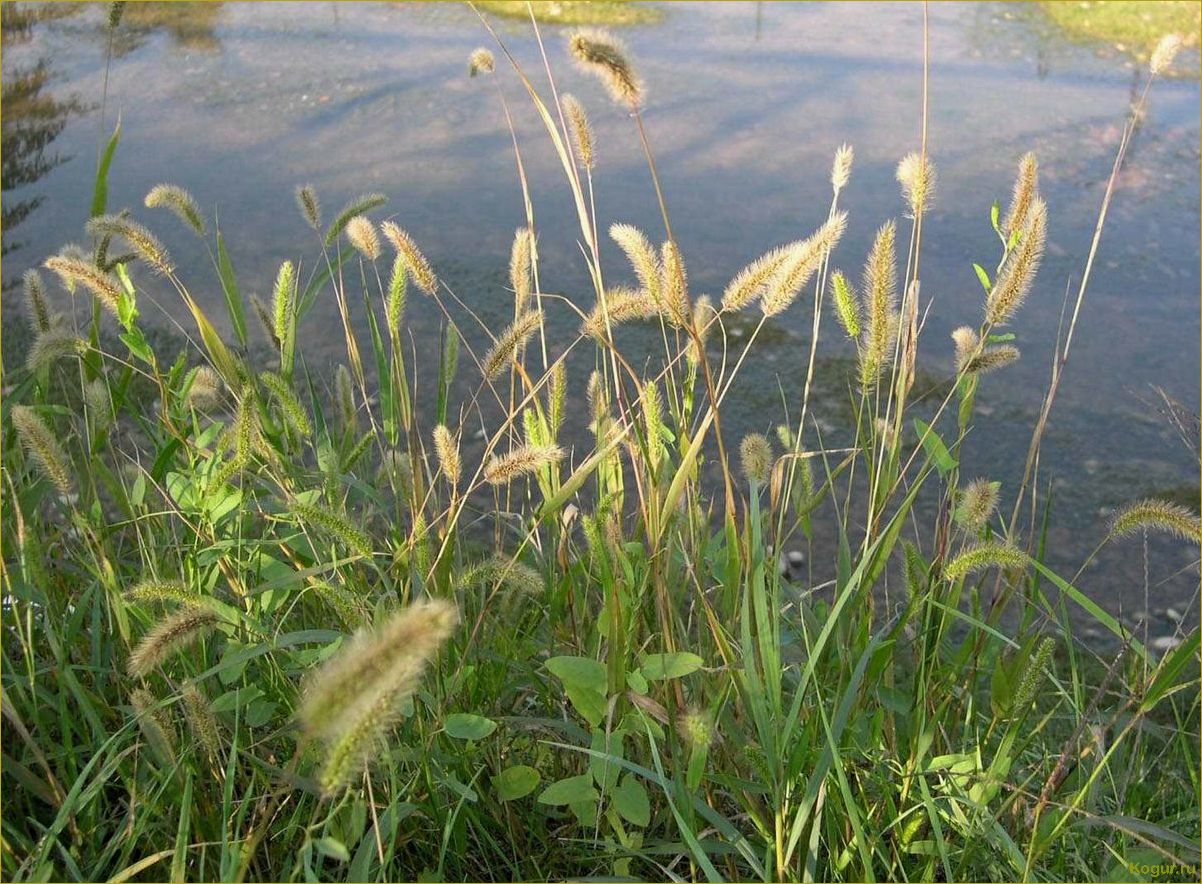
x: 466, y: 726
x: 604, y: 767
x: 571, y: 790
x: 260, y: 712
x: 231, y: 700
x: 578, y: 671
x: 630, y: 800
x: 657, y: 666
x: 588, y: 702
x: 515, y: 782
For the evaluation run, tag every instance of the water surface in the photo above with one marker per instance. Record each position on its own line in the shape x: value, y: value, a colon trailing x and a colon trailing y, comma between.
x: 746, y: 105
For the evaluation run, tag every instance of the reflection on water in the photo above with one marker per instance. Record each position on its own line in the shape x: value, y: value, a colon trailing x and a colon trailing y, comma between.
x: 191, y: 25
x: 747, y: 103
x: 33, y: 117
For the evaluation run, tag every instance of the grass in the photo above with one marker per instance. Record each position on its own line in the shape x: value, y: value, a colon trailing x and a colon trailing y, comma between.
x: 1127, y: 25
x: 610, y: 13
x: 268, y: 621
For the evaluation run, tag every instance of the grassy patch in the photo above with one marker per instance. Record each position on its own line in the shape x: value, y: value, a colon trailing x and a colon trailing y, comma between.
x: 1127, y: 25
x: 577, y: 12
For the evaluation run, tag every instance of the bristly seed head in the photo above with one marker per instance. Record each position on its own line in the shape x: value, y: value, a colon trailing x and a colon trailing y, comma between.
x: 674, y: 284
x: 306, y: 200
x: 989, y: 554
x: 1164, y: 53
x: 880, y: 294
x: 916, y: 174
x: 992, y: 358
x: 362, y: 235
x: 141, y: 240
x: 354, y: 697
x: 178, y: 201
x: 447, y: 449
x: 749, y: 282
x: 799, y: 266
x: 481, y: 61
x: 621, y: 305
x: 334, y: 524
x: 847, y: 307
x: 419, y: 268
x: 967, y: 342
x: 509, y: 344
x: 501, y: 470
x: 171, y: 635
x: 205, y: 390
x: 521, y: 274
x: 1026, y: 191
x: 201, y: 720
x: 642, y: 258
x: 1157, y: 515
x: 360, y: 205
x: 600, y: 53
x: 284, y: 302
x: 978, y: 500
x: 756, y: 454
x: 43, y: 447
x: 704, y: 317
x: 104, y: 287
x: 841, y: 168
x: 35, y: 300
x: 1014, y: 280
x: 155, y: 725
x: 582, y: 131
x: 55, y: 343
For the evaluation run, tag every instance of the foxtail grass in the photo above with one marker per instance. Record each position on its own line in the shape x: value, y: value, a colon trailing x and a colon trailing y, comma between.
x: 1156, y: 515
x: 171, y: 635
x: 43, y: 448
x: 179, y: 202
x: 503, y: 469
x: 415, y: 262
x: 600, y: 53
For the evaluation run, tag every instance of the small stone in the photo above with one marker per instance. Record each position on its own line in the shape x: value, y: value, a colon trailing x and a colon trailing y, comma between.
x: 1174, y: 615
x: 796, y: 559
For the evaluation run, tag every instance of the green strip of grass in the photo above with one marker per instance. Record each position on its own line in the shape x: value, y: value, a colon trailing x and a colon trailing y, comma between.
x: 1127, y: 25
x: 577, y: 12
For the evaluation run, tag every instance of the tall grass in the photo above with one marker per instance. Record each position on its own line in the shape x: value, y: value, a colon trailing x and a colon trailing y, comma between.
x: 268, y: 621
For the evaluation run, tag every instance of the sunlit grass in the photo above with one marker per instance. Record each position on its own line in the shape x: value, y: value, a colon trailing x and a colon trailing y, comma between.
x: 577, y: 12
x: 1127, y: 25
x: 525, y: 610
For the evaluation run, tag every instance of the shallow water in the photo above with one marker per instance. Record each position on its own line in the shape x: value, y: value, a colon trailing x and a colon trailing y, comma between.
x: 747, y: 103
